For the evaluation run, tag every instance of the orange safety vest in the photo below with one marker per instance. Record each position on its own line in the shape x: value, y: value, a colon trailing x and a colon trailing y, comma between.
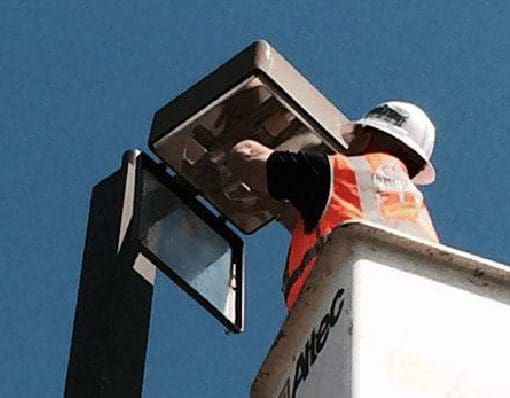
x: 374, y: 187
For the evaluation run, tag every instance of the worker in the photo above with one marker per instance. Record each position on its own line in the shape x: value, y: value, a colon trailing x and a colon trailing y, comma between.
x: 388, y: 153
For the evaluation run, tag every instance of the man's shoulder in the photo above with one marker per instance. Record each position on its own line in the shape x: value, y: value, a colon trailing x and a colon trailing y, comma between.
x: 341, y: 161
x: 338, y: 157
x: 372, y: 161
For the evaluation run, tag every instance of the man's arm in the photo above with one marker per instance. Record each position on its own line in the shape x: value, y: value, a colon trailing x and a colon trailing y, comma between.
x: 248, y: 161
x: 302, y: 179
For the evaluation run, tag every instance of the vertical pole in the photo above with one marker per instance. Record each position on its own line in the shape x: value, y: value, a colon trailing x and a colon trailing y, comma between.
x: 111, y: 324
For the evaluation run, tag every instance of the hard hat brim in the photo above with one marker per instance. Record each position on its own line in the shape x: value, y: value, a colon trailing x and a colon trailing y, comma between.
x: 425, y: 176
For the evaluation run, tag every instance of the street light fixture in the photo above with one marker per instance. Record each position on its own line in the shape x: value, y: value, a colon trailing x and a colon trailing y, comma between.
x: 255, y: 95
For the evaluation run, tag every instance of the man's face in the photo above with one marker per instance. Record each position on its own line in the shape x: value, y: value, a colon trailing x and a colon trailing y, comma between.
x: 357, y: 139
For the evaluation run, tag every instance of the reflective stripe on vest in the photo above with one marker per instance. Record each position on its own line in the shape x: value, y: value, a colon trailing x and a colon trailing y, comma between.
x: 372, y: 187
x: 390, y: 198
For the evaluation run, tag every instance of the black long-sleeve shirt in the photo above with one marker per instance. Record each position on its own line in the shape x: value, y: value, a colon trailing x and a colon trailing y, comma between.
x: 302, y: 178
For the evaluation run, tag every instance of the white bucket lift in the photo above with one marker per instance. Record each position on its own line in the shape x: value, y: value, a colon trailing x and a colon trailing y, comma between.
x: 386, y: 315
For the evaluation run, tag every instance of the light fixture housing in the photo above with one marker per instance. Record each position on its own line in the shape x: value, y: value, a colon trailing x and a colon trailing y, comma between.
x: 255, y: 95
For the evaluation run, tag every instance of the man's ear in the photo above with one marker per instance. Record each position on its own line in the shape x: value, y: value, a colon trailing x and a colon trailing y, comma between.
x: 357, y: 141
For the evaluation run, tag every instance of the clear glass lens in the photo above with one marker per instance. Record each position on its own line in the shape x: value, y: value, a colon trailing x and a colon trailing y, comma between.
x: 187, y: 245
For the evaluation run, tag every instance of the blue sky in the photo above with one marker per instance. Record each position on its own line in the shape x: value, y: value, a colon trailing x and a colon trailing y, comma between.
x: 79, y: 82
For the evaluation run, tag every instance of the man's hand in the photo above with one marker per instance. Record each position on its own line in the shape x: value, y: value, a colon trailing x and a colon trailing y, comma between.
x: 248, y: 160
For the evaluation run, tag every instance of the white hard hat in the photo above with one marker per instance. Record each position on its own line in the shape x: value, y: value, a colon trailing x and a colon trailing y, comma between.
x: 408, y: 124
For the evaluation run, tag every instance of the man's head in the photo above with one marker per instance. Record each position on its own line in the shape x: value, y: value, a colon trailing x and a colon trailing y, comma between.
x: 400, y: 128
